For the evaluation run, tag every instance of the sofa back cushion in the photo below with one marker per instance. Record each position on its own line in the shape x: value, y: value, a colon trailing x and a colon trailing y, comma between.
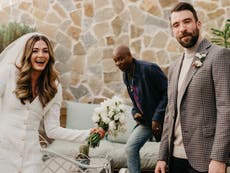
x: 79, y: 115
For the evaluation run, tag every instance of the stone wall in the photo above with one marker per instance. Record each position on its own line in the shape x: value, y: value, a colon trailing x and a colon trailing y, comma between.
x: 86, y: 31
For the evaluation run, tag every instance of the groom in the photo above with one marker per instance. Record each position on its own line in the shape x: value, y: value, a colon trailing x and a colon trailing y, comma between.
x: 196, y: 135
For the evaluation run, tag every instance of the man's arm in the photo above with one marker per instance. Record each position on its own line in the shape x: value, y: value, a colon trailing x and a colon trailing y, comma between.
x: 221, y: 77
x: 134, y: 111
x: 160, y: 81
x: 164, y: 147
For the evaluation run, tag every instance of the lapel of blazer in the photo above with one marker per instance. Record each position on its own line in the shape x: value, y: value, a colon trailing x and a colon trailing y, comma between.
x: 202, y: 48
x: 174, y: 85
x: 175, y: 78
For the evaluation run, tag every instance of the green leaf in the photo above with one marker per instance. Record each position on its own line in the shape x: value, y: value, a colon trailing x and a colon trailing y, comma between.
x: 12, y: 31
x: 222, y: 37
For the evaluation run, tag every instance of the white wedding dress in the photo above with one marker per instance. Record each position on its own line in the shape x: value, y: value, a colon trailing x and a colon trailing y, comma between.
x: 19, y: 140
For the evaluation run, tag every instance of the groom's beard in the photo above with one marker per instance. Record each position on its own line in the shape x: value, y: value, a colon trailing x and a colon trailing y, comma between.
x: 189, y: 39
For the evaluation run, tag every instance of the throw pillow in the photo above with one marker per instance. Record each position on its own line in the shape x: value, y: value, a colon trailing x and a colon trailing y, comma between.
x: 79, y: 115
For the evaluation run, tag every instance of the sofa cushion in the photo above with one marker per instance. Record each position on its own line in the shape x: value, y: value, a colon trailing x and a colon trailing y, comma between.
x: 79, y: 115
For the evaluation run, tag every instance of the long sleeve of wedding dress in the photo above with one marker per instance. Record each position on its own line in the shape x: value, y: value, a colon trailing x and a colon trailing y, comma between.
x: 52, y: 122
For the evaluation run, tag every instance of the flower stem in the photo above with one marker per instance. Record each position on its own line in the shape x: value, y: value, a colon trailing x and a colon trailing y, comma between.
x: 94, y: 140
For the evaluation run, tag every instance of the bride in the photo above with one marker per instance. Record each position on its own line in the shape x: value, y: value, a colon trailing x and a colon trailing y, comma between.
x: 29, y: 91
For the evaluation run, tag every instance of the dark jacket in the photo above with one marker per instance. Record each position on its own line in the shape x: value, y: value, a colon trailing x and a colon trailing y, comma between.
x: 151, y: 85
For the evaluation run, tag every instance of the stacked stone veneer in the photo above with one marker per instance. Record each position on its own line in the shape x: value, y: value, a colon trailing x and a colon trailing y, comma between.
x: 85, y: 32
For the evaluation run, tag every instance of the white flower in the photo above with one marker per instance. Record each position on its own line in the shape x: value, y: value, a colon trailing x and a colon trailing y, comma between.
x: 200, y: 55
x: 123, y: 128
x: 112, y: 126
x: 122, y: 119
x: 199, y: 61
x: 111, y: 115
x: 98, y: 110
x: 95, y: 118
x: 123, y: 107
x: 105, y: 118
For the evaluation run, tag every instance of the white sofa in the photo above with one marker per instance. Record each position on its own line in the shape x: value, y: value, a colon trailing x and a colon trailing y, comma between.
x: 79, y: 117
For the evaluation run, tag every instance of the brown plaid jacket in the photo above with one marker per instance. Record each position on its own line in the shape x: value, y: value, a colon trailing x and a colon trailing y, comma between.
x: 204, y: 109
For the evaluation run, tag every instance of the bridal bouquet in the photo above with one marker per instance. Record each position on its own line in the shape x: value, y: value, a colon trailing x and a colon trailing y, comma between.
x: 111, y: 116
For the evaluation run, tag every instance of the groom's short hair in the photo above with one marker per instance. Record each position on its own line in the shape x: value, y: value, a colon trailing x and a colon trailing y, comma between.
x: 181, y: 6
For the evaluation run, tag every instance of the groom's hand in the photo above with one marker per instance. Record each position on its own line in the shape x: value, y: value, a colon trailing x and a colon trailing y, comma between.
x: 216, y: 167
x: 161, y: 167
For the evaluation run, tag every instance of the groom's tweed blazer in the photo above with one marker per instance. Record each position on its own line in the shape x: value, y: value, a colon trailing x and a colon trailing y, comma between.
x: 204, y: 109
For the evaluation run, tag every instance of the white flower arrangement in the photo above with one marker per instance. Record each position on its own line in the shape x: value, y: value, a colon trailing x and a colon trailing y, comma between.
x: 197, y: 63
x: 200, y: 58
x: 111, y: 116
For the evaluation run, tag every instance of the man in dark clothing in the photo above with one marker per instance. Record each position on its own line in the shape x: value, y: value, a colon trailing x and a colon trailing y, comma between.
x: 147, y: 88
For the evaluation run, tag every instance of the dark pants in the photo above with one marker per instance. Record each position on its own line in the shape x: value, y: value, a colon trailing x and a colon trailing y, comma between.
x: 181, y: 166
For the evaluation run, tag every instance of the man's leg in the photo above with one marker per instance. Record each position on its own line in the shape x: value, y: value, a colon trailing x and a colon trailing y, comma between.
x: 136, y: 140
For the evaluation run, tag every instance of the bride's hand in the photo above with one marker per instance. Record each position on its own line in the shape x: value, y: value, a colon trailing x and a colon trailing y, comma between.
x: 98, y: 130
x: 101, y: 132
